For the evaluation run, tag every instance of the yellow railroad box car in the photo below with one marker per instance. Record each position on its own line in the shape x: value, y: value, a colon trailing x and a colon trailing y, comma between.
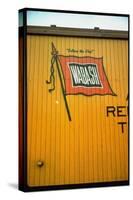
x: 73, y: 107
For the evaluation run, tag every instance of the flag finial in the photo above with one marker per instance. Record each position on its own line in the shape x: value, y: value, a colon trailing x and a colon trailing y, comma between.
x: 54, y: 51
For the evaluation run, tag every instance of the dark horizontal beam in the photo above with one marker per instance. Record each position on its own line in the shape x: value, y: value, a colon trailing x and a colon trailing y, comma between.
x: 63, y: 31
x: 74, y: 12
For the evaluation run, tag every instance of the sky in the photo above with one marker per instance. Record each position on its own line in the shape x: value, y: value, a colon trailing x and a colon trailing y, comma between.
x: 38, y: 18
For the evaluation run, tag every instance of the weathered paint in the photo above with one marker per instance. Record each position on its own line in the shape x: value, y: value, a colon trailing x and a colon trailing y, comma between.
x: 91, y: 148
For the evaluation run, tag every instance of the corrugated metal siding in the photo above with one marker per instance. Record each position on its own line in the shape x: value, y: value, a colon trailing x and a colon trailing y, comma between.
x: 90, y: 148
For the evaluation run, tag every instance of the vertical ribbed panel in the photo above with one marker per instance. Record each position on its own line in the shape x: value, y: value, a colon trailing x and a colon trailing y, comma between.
x: 91, y: 148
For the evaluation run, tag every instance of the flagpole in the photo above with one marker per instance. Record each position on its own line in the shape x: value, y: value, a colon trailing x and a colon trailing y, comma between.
x: 55, y: 54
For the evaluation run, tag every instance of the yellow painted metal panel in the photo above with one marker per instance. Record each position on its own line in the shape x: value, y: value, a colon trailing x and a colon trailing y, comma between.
x: 91, y: 148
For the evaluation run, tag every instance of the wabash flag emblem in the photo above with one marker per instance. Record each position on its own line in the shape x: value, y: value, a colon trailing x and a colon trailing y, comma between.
x: 78, y: 75
x: 84, y: 75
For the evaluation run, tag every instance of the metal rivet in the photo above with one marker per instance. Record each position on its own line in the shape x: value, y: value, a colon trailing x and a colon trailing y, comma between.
x: 40, y: 163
